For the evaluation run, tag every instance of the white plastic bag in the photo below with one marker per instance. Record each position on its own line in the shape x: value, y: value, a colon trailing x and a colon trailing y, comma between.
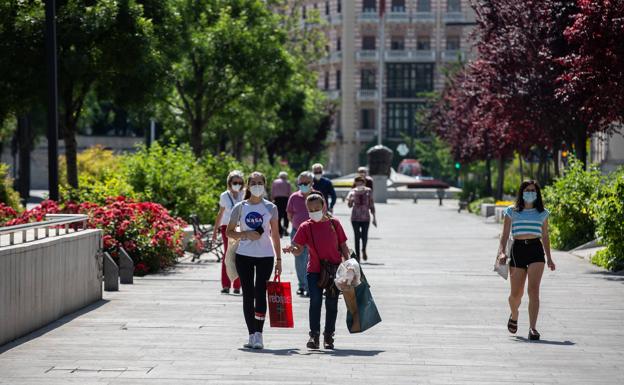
x: 348, y: 274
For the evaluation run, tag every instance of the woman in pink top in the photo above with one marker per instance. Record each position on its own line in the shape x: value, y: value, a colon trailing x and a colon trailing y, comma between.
x: 360, y: 199
x: 327, y: 243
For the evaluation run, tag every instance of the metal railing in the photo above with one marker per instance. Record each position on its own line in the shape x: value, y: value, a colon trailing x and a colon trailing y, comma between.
x: 54, y: 222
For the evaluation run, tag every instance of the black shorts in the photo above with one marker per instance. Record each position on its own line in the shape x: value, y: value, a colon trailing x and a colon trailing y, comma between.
x: 525, y: 252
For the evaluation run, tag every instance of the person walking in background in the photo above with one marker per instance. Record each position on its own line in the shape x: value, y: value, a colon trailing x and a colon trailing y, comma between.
x: 324, y: 185
x: 363, y: 172
x: 360, y: 200
x: 327, y: 242
x: 280, y: 192
x: 527, y: 221
x: 229, y: 198
x: 258, y: 250
x: 297, y: 214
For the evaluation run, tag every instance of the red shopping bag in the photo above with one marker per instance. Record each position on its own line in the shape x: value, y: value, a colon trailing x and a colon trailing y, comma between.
x: 280, y: 303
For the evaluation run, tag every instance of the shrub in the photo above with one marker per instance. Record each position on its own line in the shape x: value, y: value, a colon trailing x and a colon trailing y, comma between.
x: 609, y: 213
x: 96, y: 163
x: 8, y: 196
x: 570, y: 201
x: 475, y: 206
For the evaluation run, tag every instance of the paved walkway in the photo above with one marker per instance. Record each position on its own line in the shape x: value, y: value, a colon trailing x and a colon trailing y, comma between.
x: 444, y: 316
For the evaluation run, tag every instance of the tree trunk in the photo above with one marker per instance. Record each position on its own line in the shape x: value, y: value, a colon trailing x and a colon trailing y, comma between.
x: 196, y: 137
x: 488, y: 177
x: 500, y: 183
x: 521, y: 168
x: 24, y: 128
x: 581, y: 145
x: 71, y: 152
x: 555, y: 154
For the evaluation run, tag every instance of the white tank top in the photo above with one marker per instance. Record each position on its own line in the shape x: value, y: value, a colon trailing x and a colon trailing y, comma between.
x: 249, y: 217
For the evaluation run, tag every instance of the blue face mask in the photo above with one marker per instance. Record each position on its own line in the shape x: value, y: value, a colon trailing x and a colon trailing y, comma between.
x: 304, y: 188
x: 529, y: 196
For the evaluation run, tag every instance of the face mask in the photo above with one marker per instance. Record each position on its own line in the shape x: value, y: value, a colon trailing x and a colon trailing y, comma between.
x: 360, y: 188
x: 317, y: 176
x: 257, y: 190
x: 237, y: 187
x: 316, y: 216
x: 304, y: 188
x: 529, y: 196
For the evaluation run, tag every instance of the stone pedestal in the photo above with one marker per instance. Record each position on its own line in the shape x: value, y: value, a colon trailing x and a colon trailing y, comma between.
x: 126, y: 268
x: 111, y: 274
x: 380, y: 188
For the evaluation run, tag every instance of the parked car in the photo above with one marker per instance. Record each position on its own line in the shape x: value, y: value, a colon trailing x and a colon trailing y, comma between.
x: 410, y: 167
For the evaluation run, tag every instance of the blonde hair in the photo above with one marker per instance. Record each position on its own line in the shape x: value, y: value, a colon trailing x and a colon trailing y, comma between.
x: 235, y: 174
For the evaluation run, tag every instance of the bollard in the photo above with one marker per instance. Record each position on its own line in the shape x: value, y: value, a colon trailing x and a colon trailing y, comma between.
x: 126, y: 268
x: 416, y: 198
x: 111, y: 274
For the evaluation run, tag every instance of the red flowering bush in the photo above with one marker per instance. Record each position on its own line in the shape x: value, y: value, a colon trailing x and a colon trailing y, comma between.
x: 146, y: 230
x: 7, y: 213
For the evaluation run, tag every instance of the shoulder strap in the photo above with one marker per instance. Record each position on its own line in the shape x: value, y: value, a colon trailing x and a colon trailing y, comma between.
x: 230, y: 198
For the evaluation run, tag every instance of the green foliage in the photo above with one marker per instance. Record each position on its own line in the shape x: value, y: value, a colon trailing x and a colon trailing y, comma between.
x: 609, y: 213
x: 172, y: 176
x: 436, y: 158
x: 475, y: 206
x: 8, y: 196
x: 570, y: 200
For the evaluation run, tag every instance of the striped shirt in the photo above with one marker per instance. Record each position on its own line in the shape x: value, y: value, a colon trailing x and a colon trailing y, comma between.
x: 527, y: 221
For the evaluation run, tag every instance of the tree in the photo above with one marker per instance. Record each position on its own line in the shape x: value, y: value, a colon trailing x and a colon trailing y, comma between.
x: 224, y: 50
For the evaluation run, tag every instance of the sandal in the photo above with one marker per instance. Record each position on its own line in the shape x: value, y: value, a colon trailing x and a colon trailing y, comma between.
x: 512, y: 325
x: 533, y: 335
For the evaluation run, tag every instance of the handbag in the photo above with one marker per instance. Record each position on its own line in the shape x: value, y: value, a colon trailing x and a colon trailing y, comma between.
x: 362, y: 311
x: 503, y: 268
x: 280, y: 303
x: 230, y: 259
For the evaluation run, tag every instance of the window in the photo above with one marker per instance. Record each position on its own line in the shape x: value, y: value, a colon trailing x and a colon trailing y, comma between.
x: 423, y: 43
x: 398, y: 5
x: 401, y: 119
x: 338, y: 73
x: 406, y: 80
x: 303, y: 12
x: 338, y: 44
x: 368, y: 42
x: 327, y: 7
x: 452, y: 43
x: 453, y: 6
x: 327, y: 50
x: 368, y: 119
x: 423, y: 6
x: 397, y: 43
x: 367, y: 79
x: 326, y: 80
x: 316, y: 6
x: 339, y: 6
x: 369, y: 6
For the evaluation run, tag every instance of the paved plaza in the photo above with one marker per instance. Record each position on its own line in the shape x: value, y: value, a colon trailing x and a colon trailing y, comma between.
x: 444, y: 322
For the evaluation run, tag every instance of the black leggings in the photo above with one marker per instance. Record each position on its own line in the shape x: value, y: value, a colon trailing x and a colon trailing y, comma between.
x: 282, y: 203
x: 254, y: 294
x: 361, y: 232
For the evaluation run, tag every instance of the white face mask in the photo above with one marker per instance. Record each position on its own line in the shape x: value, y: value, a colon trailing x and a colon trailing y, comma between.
x: 316, y: 216
x: 360, y: 188
x: 257, y: 190
x: 317, y: 176
x: 237, y: 187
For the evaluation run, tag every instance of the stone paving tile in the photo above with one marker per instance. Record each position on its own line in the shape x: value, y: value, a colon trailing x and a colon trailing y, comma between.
x: 444, y: 322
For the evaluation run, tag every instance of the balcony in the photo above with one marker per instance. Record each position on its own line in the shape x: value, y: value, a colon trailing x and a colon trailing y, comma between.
x: 365, y: 135
x: 335, y: 19
x: 423, y: 56
x: 454, y: 17
x: 332, y: 94
x: 336, y: 57
x: 369, y: 16
x: 453, y: 56
x: 398, y: 17
x: 367, y: 95
x: 428, y: 17
x: 398, y: 55
x: 367, y: 55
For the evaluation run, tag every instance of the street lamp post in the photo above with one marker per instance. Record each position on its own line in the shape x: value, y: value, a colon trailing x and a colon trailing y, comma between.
x: 50, y: 13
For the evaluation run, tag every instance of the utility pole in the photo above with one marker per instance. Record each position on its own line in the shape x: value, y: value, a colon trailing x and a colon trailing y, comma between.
x: 50, y: 35
x: 382, y: 44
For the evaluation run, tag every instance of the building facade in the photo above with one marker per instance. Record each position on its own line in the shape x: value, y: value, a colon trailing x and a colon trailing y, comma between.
x: 607, y: 151
x: 420, y: 39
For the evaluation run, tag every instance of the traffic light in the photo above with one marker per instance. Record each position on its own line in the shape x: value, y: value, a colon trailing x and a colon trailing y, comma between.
x: 457, y: 165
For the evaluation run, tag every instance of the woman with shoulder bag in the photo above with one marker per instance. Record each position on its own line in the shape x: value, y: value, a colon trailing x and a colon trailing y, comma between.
x: 327, y: 244
x: 258, y: 250
x: 527, y: 221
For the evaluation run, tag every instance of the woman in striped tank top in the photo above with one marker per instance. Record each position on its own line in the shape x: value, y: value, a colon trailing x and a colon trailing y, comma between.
x: 527, y: 221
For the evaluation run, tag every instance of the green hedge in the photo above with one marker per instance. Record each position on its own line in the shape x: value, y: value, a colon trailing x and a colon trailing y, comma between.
x: 571, y: 200
x: 475, y: 206
x: 8, y: 195
x: 609, y: 214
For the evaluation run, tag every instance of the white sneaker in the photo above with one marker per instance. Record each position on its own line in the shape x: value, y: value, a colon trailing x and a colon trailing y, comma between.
x: 252, y: 341
x: 258, y: 341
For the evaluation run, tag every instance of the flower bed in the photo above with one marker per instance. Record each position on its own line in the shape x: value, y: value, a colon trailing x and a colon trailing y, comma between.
x: 146, y: 230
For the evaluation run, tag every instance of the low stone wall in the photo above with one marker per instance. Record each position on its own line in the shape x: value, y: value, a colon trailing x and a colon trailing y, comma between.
x: 42, y: 281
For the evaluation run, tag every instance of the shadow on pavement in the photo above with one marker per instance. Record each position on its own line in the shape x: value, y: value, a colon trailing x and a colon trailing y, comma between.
x: 544, y: 342
x: 276, y: 352
x: 372, y: 264
x: 617, y: 276
x: 346, y: 352
x: 51, y: 326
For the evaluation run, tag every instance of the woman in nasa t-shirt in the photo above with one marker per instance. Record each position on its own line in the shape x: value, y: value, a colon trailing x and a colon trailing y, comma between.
x: 258, y: 250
